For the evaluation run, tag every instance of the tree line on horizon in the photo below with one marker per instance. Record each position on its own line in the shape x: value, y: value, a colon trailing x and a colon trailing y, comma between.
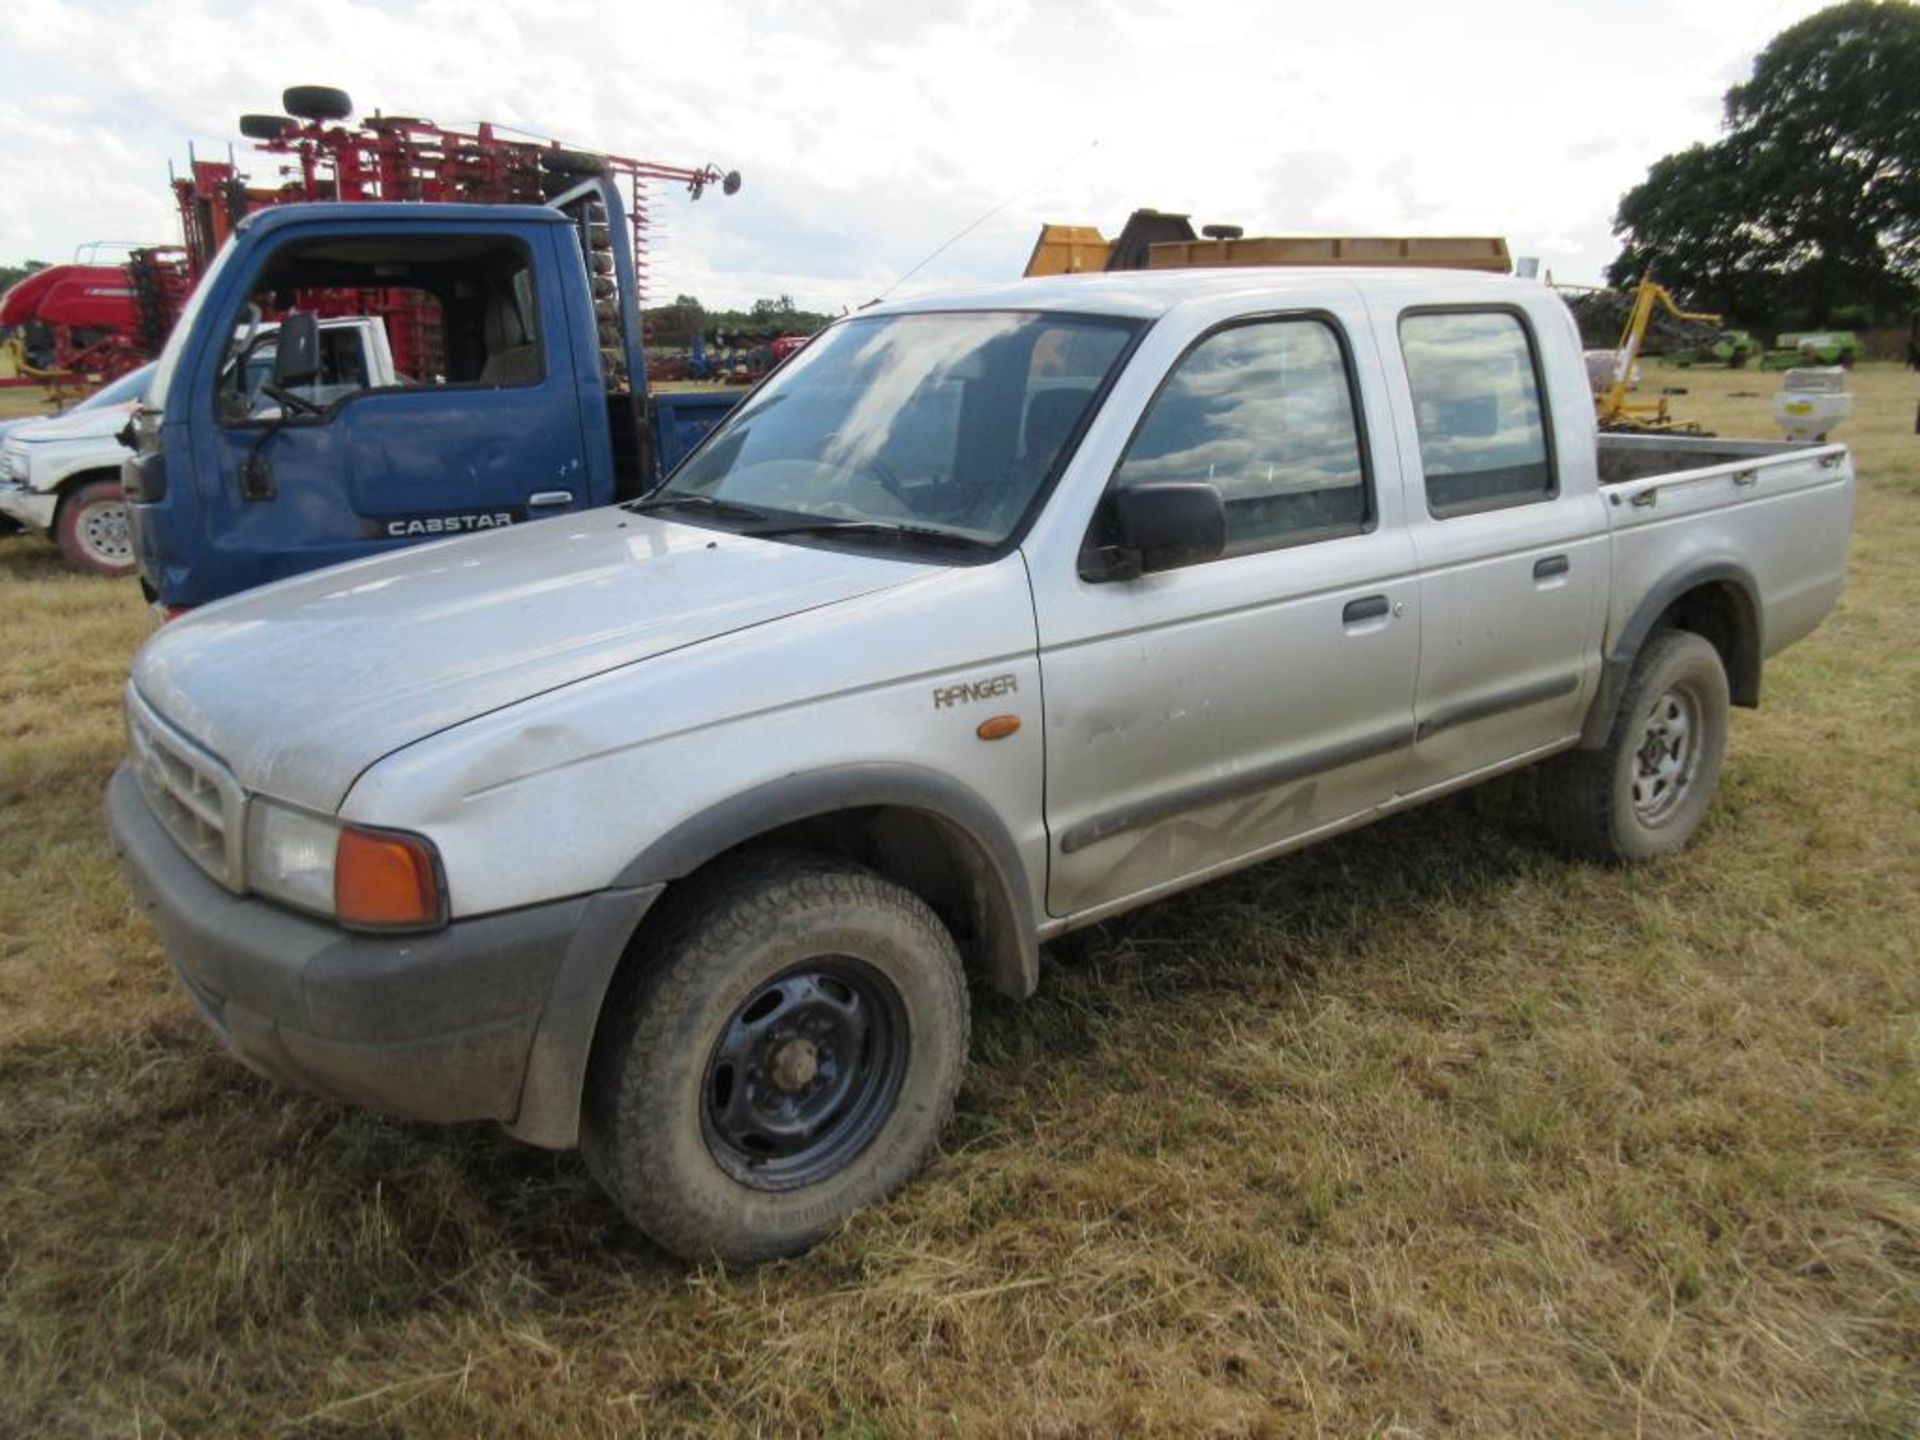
x: 674, y: 325
x: 11, y: 275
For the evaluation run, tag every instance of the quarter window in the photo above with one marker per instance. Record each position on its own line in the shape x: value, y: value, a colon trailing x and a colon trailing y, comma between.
x: 1476, y: 404
x: 1264, y: 413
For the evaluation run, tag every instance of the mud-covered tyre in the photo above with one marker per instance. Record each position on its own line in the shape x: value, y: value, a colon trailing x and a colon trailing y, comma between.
x: 91, y: 528
x: 316, y: 102
x: 1647, y: 790
x: 785, y: 1052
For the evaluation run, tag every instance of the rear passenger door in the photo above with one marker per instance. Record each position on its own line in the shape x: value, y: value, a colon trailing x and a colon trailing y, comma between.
x: 1201, y: 715
x: 1511, y: 543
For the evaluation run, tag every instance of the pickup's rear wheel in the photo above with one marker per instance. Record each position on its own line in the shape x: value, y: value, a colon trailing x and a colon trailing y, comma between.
x: 91, y: 528
x: 1647, y: 791
x: 787, y: 1053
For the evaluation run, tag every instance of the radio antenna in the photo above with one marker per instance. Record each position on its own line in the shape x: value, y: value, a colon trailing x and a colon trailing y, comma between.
x: 962, y: 234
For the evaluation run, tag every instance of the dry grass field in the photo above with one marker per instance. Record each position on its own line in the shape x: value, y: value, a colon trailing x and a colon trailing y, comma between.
x: 24, y: 400
x: 1424, y: 1132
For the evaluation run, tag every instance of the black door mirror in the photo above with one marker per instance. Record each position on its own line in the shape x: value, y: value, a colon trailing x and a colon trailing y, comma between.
x: 296, y: 355
x: 1160, y: 525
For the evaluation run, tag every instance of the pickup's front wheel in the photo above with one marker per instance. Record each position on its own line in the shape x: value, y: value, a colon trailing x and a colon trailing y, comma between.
x: 1647, y: 791
x: 91, y: 528
x: 786, y: 1054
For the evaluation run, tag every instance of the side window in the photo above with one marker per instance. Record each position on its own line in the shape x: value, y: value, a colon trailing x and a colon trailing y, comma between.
x: 343, y: 371
x: 397, y: 312
x: 1264, y: 413
x: 1476, y: 404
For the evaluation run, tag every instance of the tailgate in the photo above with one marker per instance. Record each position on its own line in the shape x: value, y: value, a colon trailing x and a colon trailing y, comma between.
x: 681, y: 421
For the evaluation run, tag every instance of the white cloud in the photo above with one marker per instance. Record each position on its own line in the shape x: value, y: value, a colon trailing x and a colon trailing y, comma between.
x: 871, y: 131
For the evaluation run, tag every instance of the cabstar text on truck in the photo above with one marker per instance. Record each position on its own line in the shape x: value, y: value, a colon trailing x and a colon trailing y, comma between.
x: 680, y: 830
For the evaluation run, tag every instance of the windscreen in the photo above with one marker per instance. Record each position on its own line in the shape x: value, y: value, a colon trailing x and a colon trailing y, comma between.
x: 183, y: 328
x: 946, y: 422
x: 129, y: 387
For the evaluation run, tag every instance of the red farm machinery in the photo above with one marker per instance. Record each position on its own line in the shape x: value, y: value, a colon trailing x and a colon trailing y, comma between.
x: 74, y: 323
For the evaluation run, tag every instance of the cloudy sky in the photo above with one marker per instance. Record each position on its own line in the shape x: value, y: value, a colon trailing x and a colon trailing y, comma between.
x: 871, y: 131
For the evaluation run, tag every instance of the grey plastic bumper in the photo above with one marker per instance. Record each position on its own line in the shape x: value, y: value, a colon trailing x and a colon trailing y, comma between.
x: 488, y: 1019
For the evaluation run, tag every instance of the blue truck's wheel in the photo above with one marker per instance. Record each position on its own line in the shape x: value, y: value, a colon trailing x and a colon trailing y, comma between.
x: 785, y: 1053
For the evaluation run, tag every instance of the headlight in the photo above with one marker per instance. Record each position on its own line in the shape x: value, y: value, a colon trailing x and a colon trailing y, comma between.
x: 370, y: 879
x: 290, y: 855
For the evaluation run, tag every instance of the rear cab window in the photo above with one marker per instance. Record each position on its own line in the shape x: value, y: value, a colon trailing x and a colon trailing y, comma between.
x: 1474, y: 377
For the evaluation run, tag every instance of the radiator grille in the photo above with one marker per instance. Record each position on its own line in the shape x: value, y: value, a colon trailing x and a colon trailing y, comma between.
x: 191, y: 793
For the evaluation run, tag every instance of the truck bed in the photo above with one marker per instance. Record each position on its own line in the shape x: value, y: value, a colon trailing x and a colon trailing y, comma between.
x: 1641, y: 457
x: 1776, y: 513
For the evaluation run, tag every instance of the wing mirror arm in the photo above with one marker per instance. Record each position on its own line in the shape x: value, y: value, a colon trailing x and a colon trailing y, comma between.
x: 296, y: 361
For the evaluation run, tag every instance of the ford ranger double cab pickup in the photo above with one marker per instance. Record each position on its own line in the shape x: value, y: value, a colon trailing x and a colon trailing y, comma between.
x: 680, y: 830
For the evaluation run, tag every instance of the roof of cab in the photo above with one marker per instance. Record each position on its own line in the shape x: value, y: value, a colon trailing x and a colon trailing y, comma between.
x: 413, y: 212
x: 1152, y: 293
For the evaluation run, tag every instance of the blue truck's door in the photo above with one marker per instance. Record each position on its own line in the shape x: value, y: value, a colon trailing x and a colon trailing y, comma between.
x: 478, y: 426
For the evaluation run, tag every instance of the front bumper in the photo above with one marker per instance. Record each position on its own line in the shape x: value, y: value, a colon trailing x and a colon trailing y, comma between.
x: 27, y: 508
x: 487, y: 1019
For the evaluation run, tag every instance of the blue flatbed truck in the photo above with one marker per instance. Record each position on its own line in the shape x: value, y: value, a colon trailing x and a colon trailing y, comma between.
x: 536, y: 404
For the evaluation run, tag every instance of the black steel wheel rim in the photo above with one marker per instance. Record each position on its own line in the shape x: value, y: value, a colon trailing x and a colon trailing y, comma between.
x: 804, y: 1073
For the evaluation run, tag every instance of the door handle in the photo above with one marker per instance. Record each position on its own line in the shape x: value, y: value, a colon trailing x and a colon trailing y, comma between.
x: 1358, y: 612
x: 542, y: 498
x: 1549, y: 566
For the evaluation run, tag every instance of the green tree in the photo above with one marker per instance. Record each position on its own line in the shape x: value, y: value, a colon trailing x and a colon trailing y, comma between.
x: 678, y: 323
x: 1808, y: 209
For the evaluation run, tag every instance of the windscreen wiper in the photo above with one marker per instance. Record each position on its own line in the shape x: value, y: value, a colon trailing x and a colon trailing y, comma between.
x: 885, y: 529
x: 692, y: 500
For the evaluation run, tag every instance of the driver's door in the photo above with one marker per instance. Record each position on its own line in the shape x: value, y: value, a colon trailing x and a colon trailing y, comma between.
x: 1200, y: 716
x: 470, y: 421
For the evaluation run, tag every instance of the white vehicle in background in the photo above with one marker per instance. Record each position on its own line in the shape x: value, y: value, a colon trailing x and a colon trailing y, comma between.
x: 60, y: 476
x: 9, y: 525
x: 354, y: 355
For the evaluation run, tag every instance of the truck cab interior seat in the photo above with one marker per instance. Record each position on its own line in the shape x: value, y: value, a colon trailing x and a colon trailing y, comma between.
x: 512, y: 357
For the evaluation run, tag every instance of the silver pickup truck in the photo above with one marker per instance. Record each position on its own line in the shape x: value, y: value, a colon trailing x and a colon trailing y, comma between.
x: 681, y: 830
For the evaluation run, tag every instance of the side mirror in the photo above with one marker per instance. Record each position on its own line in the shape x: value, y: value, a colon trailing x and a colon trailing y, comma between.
x: 1162, y: 525
x: 296, y: 356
